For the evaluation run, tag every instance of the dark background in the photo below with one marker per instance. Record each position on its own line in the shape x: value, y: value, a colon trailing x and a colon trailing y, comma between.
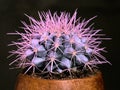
x: 108, y: 12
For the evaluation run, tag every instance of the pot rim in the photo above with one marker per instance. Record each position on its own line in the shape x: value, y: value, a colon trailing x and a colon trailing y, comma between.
x: 97, y: 74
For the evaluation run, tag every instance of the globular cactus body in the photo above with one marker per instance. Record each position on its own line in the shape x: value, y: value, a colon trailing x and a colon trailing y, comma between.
x: 58, y: 43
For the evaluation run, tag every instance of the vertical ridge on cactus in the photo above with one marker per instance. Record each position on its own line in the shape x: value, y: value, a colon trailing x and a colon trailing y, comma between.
x: 57, y: 43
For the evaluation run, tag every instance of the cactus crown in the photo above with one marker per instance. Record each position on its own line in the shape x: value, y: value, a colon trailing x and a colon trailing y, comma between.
x: 58, y: 43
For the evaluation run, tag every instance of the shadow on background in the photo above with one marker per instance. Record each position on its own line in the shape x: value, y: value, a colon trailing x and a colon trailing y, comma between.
x: 108, y: 12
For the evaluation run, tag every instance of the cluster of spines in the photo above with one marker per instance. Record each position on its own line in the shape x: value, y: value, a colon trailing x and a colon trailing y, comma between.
x: 58, y: 43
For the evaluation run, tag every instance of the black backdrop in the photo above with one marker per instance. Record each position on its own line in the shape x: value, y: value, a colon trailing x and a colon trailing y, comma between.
x: 108, y: 12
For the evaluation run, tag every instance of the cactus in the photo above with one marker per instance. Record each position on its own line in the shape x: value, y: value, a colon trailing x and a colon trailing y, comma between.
x: 58, y: 43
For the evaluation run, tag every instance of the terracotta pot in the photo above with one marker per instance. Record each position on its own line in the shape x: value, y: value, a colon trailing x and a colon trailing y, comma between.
x: 27, y: 82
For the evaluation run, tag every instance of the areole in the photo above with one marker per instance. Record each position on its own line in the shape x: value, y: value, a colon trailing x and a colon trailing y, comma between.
x: 29, y: 82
